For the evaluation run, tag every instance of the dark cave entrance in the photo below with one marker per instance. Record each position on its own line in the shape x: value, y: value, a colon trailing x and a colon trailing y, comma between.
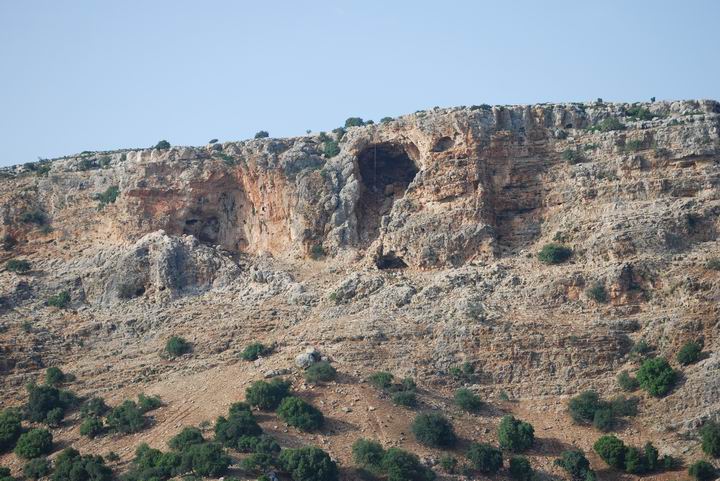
x: 386, y: 170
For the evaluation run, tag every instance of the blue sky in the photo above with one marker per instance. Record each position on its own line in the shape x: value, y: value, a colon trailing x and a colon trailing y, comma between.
x: 91, y: 74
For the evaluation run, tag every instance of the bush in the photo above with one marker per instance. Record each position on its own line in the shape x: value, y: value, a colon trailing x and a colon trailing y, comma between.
x: 71, y: 466
x: 54, y: 376
x: 35, y: 216
x: 385, y: 120
x: 296, y: 412
x: 238, y: 407
x: 639, y: 113
x: 94, y: 407
x: 485, y: 458
x: 573, y: 156
x: 627, y: 382
x: 712, y: 264
x: 515, y: 435
x: 43, y: 399
x: 262, y: 134
x: 635, y: 462
x: 554, y: 254
x: 604, y: 419
x: 689, y: 353
x: 148, y: 403
x: 331, y: 148
x: 583, y: 407
x: 368, y: 454
x: 381, y: 380
x: 108, y: 197
x: 34, y: 443
x: 91, y: 427
x: 177, y: 346
x: 5, y: 474
x: 401, y: 465
x: 253, y: 351
x: 467, y: 400
x: 266, y: 395
x: 710, y: 435
x: 656, y: 376
x: 60, y: 300
x: 187, y: 437
x: 320, y: 372
x: 354, y: 122
x: 162, y: 145
x: 520, y: 468
x: 232, y: 431
x: 206, y: 459
x: 611, y: 450
x: 308, y: 464
x: 433, y: 429
x: 464, y: 372
x: 448, y: 464
x: 598, y: 293
x: 641, y: 349
x: 576, y: 465
x: 36, y: 468
x: 702, y: 471
x: 126, y: 418
x: 622, y: 406
x: 10, y: 428
x: 608, y: 124
x: 153, y: 464
x: 18, y: 266
x: 407, y: 399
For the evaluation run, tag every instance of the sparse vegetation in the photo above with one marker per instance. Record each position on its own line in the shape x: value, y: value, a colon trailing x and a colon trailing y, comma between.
x: 34, y: 216
x: 381, y: 380
x: 656, y: 376
x: 60, y: 300
x: 299, y: 413
x: 515, y: 435
x: 434, y: 430
x: 597, y: 292
x: 713, y: 264
x: 573, y: 156
x: 710, y: 435
x: 554, y: 253
x: 18, y: 266
x: 639, y: 113
x: 406, y: 399
x: 266, y: 395
x: 607, y: 125
x: 689, y: 353
x: 464, y: 372
x: 177, y: 346
x: 627, y: 382
x: 520, y: 469
x: 320, y: 372
x: 109, y: 196
x: 485, y: 458
x: 253, y: 351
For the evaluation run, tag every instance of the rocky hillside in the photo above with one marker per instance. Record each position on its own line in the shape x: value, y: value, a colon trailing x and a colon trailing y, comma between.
x: 527, y: 253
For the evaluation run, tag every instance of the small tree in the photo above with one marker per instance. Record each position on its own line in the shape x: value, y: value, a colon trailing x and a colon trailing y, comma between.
x: 611, y: 450
x: 263, y: 134
x: 232, y: 431
x: 320, y: 372
x: 37, y: 468
x: 162, y: 145
x: 583, y: 406
x: 520, y: 468
x: 34, y: 443
x: 368, y: 454
x: 148, y: 403
x: 710, y: 435
x: 354, y: 122
x: 71, y: 466
x: 656, y: 376
x: 702, y: 471
x: 297, y: 412
x: 126, y: 418
x: 515, y: 435
x: 187, y: 437
x: 10, y: 428
x: 308, y: 464
x: 467, y: 400
x: 554, y: 254
x: 689, y: 353
x: 94, y: 406
x: 433, y: 429
x: 92, y: 427
x: 205, y: 459
x: 266, y: 395
x: 598, y: 293
x: 485, y: 458
x: 401, y: 465
x: 177, y: 346
x: 576, y: 465
x: 54, y: 376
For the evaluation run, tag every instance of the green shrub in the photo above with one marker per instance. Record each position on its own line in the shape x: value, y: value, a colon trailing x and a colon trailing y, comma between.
x: 635, y: 462
x: 257, y: 462
x: 633, y: 145
x: 407, y: 399
x: 641, y: 349
x: 401, y: 465
x: 36, y: 468
x: 331, y: 148
x: 608, y: 124
x: 448, y: 464
x: 713, y: 264
x: 109, y: 196
x: 639, y: 113
x: 10, y: 428
x: 702, y: 471
x: 153, y: 464
x: 94, y: 407
x: 18, y: 266
x: 627, y: 382
x: 308, y: 464
x: 5, y: 474
x: 54, y: 376
x: 467, y: 400
x: 433, y: 429
x: 232, y: 430
x: 35, y: 216
x: 554, y: 254
x: 126, y: 418
x: 656, y: 376
x: 385, y: 120
x: 92, y: 427
x: 253, y: 351
x: 604, y: 419
x: 320, y: 372
x: 689, y: 353
x: 611, y: 450
x: 34, y: 443
x: 520, y: 468
x: 177, y: 346
x: 238, y: 407
x: 622, y: 406
x: 262, y: 134
x: 54, y: 417
x: 598, y: 293
x: 354, y: 122
x: 297, y: 412
x: 710, y: 435
x: 60, y: 300
x: 187, y: 437
x: 266, y: 395
x: 206, y: 459
x: 515, y: 435
x: 43, y: 399
x: 485, y: 458
x: 381, y: 380
x: 464, y: 372
x: 368, y: 454
x: 71, y: 466
x: 162, y: 145
x: 148, y: 403
x: 573, y: 156
x: 576, y: 465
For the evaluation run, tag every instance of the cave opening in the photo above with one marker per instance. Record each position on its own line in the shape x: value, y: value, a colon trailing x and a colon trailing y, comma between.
x: 386, y: 171
x: 389, y: 261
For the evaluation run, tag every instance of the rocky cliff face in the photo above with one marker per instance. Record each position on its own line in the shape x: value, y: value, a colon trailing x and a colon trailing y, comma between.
x: 413, y: 249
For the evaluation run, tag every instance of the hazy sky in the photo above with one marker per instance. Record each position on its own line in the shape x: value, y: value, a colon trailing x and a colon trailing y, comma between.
x: 99, y: 74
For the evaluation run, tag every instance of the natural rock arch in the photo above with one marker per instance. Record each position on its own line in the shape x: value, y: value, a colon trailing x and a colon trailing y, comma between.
x: 386, y: 171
